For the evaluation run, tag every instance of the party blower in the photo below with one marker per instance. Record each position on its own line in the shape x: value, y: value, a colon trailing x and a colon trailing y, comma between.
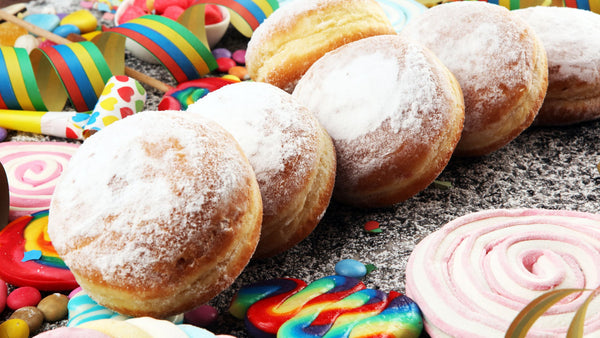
x: 122, y: 96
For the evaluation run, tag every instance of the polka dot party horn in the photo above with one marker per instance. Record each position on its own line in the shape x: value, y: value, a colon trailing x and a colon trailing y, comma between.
x: 333, y: 306
x: 121, y: 97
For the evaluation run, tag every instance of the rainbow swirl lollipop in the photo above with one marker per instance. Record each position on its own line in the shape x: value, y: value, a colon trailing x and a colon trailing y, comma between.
x: 28, y: 258
x: 333, y: 306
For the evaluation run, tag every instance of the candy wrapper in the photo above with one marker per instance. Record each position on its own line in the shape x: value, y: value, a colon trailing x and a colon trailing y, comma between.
x: 122, y: 96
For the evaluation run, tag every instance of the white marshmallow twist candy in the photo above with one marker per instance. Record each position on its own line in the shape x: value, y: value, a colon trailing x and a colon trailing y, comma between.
x: 474, y: 275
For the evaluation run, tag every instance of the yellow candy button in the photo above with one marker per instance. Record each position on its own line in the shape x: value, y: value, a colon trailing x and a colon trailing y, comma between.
x: 14, y: 328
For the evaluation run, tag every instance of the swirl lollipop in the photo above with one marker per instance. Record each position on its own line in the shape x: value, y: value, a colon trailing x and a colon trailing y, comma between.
x: 28, y: 258
x: 473, y: 276
x: 32, y: 169
x: 333, y: 306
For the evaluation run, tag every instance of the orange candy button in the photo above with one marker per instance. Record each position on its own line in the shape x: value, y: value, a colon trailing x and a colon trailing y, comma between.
x: 9, y: 32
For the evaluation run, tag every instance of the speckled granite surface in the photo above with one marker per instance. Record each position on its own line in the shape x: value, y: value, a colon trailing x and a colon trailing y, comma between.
x: 552, y: 168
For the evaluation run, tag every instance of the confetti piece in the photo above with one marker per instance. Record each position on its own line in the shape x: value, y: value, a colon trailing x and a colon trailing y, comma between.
x: 444, y: 185
x: 372, y: 227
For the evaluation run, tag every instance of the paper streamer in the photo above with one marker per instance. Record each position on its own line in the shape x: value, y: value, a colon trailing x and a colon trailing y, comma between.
x: 475, y: 274
x: 32, y: 169
x: 246, y: 15
x: 122, y: 97
x: 46, y: 78
x: 590, y: 5
x: 49, y: 76
x: 184, y: 55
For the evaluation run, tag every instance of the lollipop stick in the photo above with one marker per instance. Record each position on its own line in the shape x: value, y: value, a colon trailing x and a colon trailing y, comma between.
x: 33, y: 29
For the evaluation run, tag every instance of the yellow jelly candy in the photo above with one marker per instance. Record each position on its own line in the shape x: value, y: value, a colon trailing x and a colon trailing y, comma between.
x: 14, y: 328
x: 9, y: 32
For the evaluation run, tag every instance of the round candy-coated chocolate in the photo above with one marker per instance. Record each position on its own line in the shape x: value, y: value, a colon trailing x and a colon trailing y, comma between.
x: 31, y: 315
x: 23, y: 296
x: 239, y: 71
x: 350, y: 268
x: 44, y: 21
x: 83, y: 19
x: 224, y: 64
x: 202, y: 316
x: 65, y: 30
x: 14, y: 328
x: 54, y: 307
x: 221, y: 53
x: 3, y: 294
x: 239, y: 56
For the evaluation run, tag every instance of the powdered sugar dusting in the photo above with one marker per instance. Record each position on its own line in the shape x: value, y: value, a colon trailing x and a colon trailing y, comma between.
x: 571, y: 38
x: 274, y: 130
x: 353, y: 91
x: 484, y: 46
x: 141, y: 192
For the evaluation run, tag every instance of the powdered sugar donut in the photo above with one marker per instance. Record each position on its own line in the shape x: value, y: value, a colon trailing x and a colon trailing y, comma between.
x: 292, y: 38
x: 156, y: 214
x: 292, y: 155
x: 571, y: 38
x: 474, y: 275
x: 499, y: 62
x: 32, y: 170
x: 394, y: 112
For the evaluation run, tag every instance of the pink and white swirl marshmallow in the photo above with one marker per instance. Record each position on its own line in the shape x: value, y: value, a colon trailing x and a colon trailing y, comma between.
x: 32, y: 170
x: 475, y: 274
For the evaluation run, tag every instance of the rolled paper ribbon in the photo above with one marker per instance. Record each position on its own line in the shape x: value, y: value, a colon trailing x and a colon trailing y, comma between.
x: 32, y: 170
x: 180, y: 97
x: 246, y: 15
x: 46, y: 78
x: 83, y: 309
x: 28, y: 258
x: 18, y: 88
x: 333, y: 306
x: 180, y: 50
x: 475, y: 274
x: 81, y: 69
x: 122, y: 97
x: 590, y: 5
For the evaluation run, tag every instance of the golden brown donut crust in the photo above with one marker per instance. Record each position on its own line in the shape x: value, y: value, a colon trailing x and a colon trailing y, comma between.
x: 171, y: 224
x: 290, y: 40
x: 499, y: 62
